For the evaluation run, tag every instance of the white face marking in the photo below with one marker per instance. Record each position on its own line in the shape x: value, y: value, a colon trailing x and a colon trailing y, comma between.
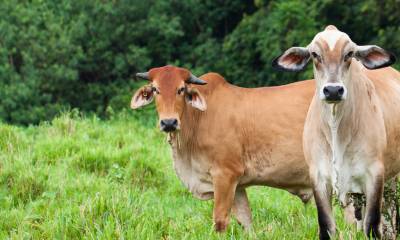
x: 331, y: 37
x: 325, y: 75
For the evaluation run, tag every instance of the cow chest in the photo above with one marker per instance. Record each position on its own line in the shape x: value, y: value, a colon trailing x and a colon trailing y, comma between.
x: 348, y: 173
x: 194, y: 172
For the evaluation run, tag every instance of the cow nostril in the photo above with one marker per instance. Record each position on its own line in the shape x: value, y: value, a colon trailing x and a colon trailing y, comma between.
x: 175, y: 122
x: 341, y: 91
x: 326, y: 91
x: 162, y: 123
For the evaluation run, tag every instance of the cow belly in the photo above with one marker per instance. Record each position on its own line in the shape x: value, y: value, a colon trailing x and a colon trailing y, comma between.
x: 195, y: 176
x: 274, y: 169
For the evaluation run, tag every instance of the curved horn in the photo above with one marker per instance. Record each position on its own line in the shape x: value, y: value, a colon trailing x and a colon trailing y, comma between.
x: 195, y: 80
x: 144, y: 75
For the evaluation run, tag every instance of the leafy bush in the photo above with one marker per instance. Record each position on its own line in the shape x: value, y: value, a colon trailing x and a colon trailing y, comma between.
x: 61, y: 55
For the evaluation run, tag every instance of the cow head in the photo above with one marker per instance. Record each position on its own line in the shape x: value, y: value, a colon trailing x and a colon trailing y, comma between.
x: 332, y: 53
x: 172, y: 88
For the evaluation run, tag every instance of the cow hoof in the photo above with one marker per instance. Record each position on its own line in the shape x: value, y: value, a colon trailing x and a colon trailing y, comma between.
x: 246, y: 227
x: 221, y: 225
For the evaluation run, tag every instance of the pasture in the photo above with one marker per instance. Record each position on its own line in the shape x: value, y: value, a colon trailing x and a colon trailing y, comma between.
x: 84, y: 178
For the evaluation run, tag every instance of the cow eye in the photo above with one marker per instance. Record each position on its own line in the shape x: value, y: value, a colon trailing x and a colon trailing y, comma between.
x: 348, y: 56
x: 155, y: 90
x: 316, y: 56
x: 181, y: 90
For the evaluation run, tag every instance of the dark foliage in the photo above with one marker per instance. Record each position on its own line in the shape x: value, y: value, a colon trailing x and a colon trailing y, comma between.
x: 66, y: 54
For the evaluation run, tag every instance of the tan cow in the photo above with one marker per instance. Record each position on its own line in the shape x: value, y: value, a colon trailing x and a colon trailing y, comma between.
x: 225, y: 138
x: 352, y: 130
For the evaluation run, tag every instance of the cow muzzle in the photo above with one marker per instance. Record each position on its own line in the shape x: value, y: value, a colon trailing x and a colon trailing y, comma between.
x: 333, y: 93
x: 169, y: 124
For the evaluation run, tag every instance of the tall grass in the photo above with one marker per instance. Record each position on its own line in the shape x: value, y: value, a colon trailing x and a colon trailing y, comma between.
x: 84, y: 178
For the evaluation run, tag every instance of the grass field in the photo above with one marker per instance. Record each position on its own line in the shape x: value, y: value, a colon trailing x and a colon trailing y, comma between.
x: 85, y: 178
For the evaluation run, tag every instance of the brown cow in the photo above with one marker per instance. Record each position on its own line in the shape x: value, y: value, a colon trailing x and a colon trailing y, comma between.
x: 352, y: 131
x: 225, y: 138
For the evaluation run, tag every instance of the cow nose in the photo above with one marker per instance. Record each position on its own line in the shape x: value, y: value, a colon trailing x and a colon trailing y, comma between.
x: 169, y: 124
x: 333, y: 93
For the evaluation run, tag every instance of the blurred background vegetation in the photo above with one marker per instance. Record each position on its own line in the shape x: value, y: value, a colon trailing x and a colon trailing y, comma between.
x: 64, y: 54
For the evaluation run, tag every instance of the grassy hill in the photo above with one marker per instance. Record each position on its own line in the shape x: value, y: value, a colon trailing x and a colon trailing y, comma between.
x: 84, y: 178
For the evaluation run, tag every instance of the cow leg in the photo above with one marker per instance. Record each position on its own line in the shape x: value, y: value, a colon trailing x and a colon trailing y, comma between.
x: 358, y: 215
x: 359, y: 204
x: 349, y: 215
x: 241, y: 208
x: 353, y: 212
x: 323, y: 200
x: 374, y: 195
x: 224, y: 192
x: 389, y: 209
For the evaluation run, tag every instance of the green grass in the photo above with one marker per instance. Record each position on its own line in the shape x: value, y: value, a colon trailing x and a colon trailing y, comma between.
x: 84, y: 178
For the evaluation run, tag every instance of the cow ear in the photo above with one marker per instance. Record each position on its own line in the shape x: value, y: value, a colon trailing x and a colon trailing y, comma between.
x: 374, y: 57
x: 294, y: 59
x: 194, y: 98
x: 142, y: 97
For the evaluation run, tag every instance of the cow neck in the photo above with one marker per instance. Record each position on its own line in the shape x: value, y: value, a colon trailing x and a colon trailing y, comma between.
x: 186, y: 138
